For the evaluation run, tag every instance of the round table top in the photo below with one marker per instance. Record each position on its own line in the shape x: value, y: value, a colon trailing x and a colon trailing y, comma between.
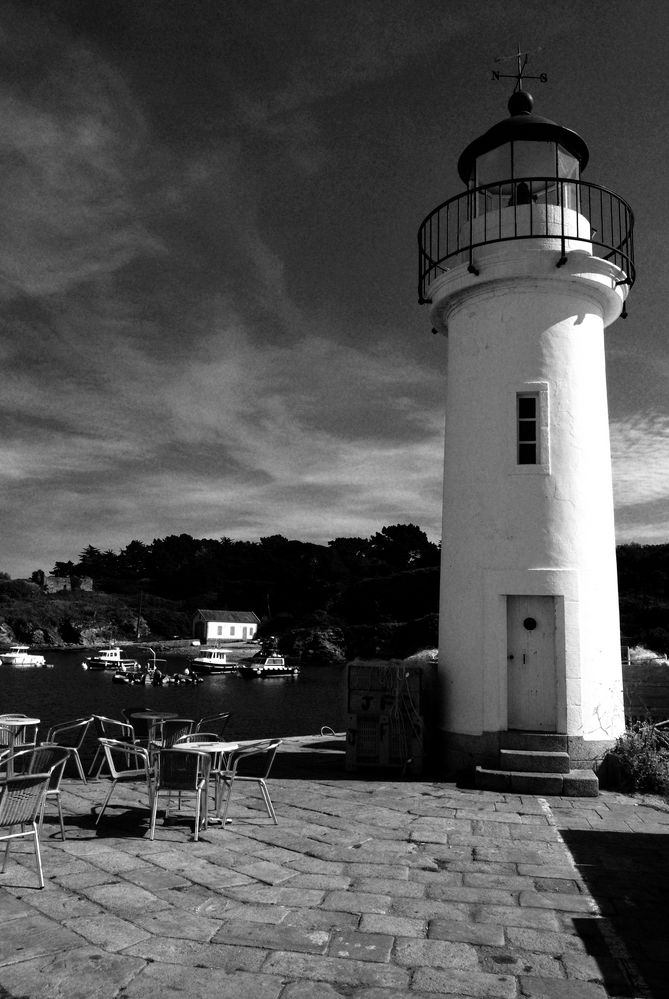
x: 154, y: 715
x: 207, y: 747
x: 17, y: 721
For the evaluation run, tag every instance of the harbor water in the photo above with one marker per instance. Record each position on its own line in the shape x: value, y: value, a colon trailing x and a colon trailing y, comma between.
x: 266, y: 708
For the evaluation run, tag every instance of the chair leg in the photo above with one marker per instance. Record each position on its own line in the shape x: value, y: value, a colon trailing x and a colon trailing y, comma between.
x: 74, y: 753
x: 95, y: 760
x: 228, y: 783
x: 268, y: 801
x: 196, y: 834
x: 106, y: 802
x: 60, y: 816
x: 154, y: 813
x: 38, y: 855
x: 55, y: 795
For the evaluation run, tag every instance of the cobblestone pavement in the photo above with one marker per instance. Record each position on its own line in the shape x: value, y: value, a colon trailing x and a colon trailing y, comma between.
x: 368, y: 887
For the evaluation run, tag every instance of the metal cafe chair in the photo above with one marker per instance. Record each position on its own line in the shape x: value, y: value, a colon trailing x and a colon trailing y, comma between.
x: 213, y: 723
x: 173, y: 729
x: 71, y: 735
x: 109, y: 728
x: 21, y: 804
x: 45, y: 759
x: 183, y: 772
x: 126, y: 762
x: 251, y: 763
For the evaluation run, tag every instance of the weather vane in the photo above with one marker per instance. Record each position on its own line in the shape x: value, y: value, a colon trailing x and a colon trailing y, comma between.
x: 520, y: 74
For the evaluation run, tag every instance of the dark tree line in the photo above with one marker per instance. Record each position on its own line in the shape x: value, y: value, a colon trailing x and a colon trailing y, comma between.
x: 390, y: 576
x: 348, y: 577
x: 643, y: 585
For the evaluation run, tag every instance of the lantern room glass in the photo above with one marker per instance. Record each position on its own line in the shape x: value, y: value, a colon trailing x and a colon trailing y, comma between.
x: 523, y: 173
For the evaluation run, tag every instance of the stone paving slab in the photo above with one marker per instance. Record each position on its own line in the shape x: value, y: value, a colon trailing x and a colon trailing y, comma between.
x: 370, y: 887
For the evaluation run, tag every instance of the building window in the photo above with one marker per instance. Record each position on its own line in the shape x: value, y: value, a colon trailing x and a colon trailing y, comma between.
x: 528, y: 428
x: 219, y: 629
x: 232, y: 630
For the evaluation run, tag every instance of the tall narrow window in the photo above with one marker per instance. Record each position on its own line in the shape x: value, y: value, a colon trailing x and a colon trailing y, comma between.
x: 528, y: 428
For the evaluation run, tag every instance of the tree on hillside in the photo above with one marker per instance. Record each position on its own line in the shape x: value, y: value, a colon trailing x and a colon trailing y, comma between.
x: 404, y: 546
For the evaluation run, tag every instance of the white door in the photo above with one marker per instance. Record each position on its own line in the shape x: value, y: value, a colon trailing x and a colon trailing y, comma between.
x: 532, y: 680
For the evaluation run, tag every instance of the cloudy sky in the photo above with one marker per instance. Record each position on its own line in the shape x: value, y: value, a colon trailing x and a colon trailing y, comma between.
x: 208, y: 209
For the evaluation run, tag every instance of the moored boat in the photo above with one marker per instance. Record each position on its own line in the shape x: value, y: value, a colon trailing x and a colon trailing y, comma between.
x: 130, y: 674
x: 267, y: 666
x: 20, y: 655
x: 176, y: 679
x: 212, y: 661
x: 109, y: 659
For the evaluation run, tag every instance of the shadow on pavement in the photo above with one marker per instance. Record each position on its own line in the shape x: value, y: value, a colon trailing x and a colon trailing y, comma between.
x: 627, y: 873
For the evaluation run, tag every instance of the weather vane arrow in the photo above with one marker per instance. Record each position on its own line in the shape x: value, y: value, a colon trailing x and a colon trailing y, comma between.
x: 520, y: 73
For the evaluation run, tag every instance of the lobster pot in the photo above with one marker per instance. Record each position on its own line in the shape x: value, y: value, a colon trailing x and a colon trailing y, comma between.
x: 386, y: 709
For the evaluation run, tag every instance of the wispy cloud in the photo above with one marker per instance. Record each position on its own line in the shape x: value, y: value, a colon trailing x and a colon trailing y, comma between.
x: 69, y: 150
x: 640, y: 456
x: 232, y: 442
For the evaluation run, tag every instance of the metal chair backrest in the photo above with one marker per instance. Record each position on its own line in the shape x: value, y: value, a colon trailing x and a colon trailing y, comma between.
x: 180, y: 770
x: 21, y: 798
x: 214, y: 723
x: 125, y: 759
x: 113, y: 728
x: 254, y: 759
x: 70, y: 733
x: 43, y: 759
x: 51, y: 759
x: 174, y: 729
x: 20, y: 736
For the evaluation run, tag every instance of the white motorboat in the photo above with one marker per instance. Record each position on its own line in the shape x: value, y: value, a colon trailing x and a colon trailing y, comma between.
x: 212, y: 661
x: 20, y: 655
x: 109, y: 659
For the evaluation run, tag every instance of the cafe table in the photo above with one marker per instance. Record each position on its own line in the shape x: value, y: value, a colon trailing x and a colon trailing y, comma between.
x: 155, y: 720
x: 12, y: 726
x: 219, y: 751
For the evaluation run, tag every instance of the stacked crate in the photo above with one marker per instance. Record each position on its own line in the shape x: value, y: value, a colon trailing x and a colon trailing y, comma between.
x: 387, y: 716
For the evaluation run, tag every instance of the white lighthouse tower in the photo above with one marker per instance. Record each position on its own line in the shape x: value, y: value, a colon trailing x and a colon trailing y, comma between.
x: 523, y: 272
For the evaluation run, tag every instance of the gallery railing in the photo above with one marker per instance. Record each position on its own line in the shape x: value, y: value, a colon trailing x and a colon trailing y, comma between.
x: 526, y: 208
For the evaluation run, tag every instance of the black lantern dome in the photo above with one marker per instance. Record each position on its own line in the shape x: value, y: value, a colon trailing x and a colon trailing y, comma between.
x: 523, y: 145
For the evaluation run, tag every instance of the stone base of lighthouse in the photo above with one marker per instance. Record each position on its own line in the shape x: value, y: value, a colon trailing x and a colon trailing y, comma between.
x: 526, y: 762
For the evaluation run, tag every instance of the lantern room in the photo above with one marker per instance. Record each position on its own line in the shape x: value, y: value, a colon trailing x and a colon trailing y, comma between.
x: 523, y: 159
x: 524, y: 182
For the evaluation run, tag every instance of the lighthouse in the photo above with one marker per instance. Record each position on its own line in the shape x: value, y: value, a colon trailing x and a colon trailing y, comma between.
x: 523, y: 272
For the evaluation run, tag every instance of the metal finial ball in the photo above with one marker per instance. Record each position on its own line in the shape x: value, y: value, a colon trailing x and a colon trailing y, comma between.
x: 520, y: 102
